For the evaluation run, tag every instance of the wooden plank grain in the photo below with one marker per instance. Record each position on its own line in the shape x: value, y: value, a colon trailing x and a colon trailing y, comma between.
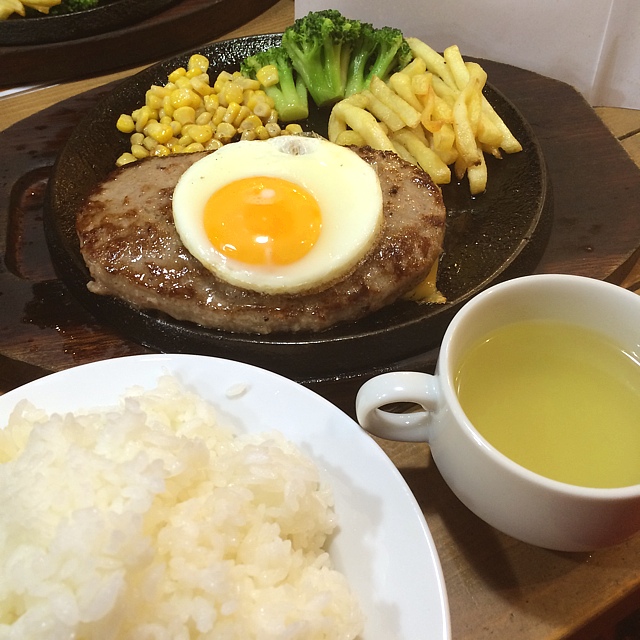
x: 622, y: 123
x: 594, y: 180
x: 182, y: 25
x: 498, y: 587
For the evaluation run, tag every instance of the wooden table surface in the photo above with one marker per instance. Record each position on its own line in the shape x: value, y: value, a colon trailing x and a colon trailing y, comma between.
x: 497, y: 586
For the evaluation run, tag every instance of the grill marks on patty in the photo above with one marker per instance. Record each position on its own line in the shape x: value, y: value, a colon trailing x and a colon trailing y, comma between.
x: 133, y: 252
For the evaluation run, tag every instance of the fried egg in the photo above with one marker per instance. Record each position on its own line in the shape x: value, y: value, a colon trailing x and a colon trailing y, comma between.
x: 284, y: 215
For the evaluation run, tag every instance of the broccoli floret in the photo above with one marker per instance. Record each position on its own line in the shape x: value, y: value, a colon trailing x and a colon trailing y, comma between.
x: 379, y: 52
x: 360, y: 63
x: 320, y: 46
x: 72, y: 6
x: 289, y: 94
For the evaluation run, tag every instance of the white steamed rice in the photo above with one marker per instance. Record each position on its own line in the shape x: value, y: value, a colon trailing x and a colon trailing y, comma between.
x: 151, y: 521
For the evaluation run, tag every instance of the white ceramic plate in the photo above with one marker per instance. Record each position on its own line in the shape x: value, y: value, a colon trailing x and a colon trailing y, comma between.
x: 384, y: 546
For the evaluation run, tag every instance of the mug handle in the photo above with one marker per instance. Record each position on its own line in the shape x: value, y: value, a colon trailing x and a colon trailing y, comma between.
x: 398, y: 386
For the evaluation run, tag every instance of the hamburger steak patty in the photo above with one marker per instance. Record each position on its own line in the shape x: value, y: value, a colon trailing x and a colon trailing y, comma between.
x: 133, y: 251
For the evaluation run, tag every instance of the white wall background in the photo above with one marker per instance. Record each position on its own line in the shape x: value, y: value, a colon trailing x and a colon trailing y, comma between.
x: 593, y: 45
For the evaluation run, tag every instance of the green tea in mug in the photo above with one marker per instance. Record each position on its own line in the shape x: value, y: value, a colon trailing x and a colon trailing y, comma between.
x: 558, y: 399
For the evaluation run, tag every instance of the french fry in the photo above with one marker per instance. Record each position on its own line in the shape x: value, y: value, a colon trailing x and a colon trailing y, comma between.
x: 434, y: 61
x: 456, y: 65
x: 444, y: 92
x: 426, y: 157
x: 509, y: 143
x: 443, y: 142
x: 432, y: 113
x: 401, y: 84
x: 426, y: 118
x: 491, y: 150
x: 403, y: 152
x: 410, y: 116
x: 335, y: 126
x: 476, y: 79
x: 488, y: 133
x: 350, y: 137
x: 463, y: 128
x: 364, y: 123
x: 383, y: 112
x: 442, y: 110
x: 477, y: 176
x: 421, y: 83
x: 416, y: 67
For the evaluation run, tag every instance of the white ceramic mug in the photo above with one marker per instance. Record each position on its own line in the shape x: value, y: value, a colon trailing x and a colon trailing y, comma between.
x: 513, y: 499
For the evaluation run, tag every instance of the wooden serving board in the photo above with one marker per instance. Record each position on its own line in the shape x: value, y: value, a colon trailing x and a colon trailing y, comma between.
x: 182, y: 25
x: 596, y: 228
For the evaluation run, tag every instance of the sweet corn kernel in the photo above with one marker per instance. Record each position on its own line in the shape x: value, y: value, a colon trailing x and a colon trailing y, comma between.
x: 200, y: 133
x: 221, y: 82
x: 143, y: 116
x: 231, y: 112
x: 125, y: 158
x: 139, y: 151
x: 201, y: 86
x: 125, y: 124
x: 178, y: 73
x: 204, y: 117
x: 160, y: 132
x: 167, y: 107
x: 153, y: 100
x: 218, y: 116
x: 233, y: 93
x: 160, y: 151
x: 249, y: 84
x: 293, y: 128
x: 211, y: 102
x: 149, y: 143
x: 159, y: 90
x: 262, y: 133
x: 262, y: 109
x: 243, y: 113
x: 213, y: 145
x: 273, y: 129
x: 225, y: 132
x: 193, y: 147
x: 250, y: 122
x: 189, y: 114
x: 185, y: 115
x: 183, y: 83
x: 185, y: 97
x: 198, y: 61
x: 268, y: 75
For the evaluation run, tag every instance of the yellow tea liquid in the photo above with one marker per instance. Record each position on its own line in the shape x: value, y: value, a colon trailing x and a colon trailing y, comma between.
x: 559, y: 400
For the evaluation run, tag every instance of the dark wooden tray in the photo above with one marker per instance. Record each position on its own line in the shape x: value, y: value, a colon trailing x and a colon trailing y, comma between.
x: 596, y: 230
x: 174, y: 27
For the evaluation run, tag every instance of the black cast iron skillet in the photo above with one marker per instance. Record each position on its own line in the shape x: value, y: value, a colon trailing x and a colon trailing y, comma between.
x: 497, y: 235
x: 105, y: 17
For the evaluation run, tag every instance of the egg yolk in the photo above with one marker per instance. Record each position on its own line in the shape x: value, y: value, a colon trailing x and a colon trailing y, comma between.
x: 263, y: 220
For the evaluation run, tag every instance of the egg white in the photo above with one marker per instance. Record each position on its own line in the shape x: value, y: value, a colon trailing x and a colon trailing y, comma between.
x: 346, y: 188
